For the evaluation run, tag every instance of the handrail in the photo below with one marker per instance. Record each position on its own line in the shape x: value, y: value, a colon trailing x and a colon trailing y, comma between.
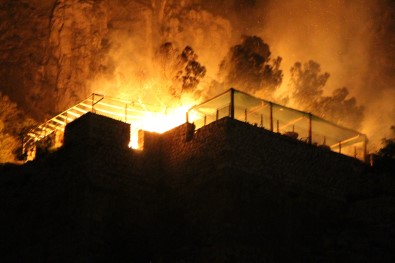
x: 131, y: 111
x: 315, y: 128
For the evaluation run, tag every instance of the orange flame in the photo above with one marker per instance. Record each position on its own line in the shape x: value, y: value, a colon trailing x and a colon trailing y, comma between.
x: 159, y: 122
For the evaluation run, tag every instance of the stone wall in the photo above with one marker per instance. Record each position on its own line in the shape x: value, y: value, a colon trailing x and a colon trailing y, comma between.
x: 98, y: 130
x: 228, y: 192
x: 243, y: 190
x: 241, y: 146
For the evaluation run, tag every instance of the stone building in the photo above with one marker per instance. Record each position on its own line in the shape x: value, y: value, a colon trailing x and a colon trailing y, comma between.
x: 227, y: 192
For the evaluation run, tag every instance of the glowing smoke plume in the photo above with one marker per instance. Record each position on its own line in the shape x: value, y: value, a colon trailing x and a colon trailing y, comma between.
x: 352, y: 40
x: 71, y: 48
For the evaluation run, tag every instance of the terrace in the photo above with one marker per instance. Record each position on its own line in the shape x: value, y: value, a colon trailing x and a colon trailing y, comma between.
x: 235, y: 104
x: 280, y: 119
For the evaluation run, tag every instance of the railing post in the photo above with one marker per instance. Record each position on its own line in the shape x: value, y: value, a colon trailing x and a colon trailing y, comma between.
x: 340, y: 147
x: 232, y: 103
x: 310, y: 128
x: 93, y: 101
x: 216, y: 115
x: 23, y: 144
x: 187, y: 117
x: 278, y: 126
x: 205, y: 119
x: 271, y: 116
x: 245, y: 115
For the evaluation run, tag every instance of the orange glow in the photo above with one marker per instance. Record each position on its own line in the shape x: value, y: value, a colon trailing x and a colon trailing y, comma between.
x: 159, y: 122
x: 151, y: 106
x: 171, y: 113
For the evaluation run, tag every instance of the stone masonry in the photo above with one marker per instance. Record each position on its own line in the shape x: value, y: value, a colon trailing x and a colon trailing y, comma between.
x: 227, y: 192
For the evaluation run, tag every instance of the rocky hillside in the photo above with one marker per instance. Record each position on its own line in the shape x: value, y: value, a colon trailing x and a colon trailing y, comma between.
x: 54, y: 53
x: 50, y: 49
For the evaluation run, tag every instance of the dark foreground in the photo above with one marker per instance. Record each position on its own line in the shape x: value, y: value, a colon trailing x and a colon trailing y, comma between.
x: 229, y: 192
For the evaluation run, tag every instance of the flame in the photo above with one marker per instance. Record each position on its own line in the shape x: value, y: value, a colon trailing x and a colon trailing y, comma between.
x: 159, y: 122
x: 162, y: 120
x: 159, y: 110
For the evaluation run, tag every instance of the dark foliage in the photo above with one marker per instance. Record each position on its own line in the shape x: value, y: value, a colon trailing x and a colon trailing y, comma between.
x: 384, y: 161
x: 182, y: 69
x: 14, y: 124
x: 307, y: 84
x: 249, y: 67
x: 388, y: 151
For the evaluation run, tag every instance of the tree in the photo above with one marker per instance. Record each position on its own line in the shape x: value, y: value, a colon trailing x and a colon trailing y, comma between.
x: 384, y: 162
x: 14, y: 123
x: 307, y: 85
x: 248, y: 66
x: 340, y: 109
x: 388, y: 150
x: 191, y: 71
x: 8, y: 145
x: 183, y: 69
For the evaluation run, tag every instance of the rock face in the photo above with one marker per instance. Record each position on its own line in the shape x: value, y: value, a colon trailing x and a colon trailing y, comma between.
x: 76, y: 45
x: 53, y: 51
x: 25, y: 31
x: 49, y: 50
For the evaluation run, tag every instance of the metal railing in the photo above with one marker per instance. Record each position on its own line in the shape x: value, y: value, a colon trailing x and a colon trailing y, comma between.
x: 123, y: 110
x: 277, y: 118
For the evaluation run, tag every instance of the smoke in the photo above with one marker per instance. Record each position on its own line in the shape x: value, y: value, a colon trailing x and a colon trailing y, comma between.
x: 133, y: 68
x: 110, y: 47
x: 352, y: 40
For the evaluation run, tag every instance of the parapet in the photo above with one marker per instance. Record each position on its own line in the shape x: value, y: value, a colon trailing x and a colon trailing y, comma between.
x: 97, y: 130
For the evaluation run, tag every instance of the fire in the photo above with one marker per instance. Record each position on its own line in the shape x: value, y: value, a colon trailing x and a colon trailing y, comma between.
x: 150, y: 106
x: 159, y: 119
x: 232, y: 103
x: 142, y: 114
x: 159, y: 122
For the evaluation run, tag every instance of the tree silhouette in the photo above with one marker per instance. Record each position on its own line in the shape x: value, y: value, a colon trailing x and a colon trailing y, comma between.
x: 13, y: 125
x: 384, y: 161
x: 182, y: 69
x: 388, y: 150
x: 307, y: 85
x: 248, y: 66
x: 340, y: 109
